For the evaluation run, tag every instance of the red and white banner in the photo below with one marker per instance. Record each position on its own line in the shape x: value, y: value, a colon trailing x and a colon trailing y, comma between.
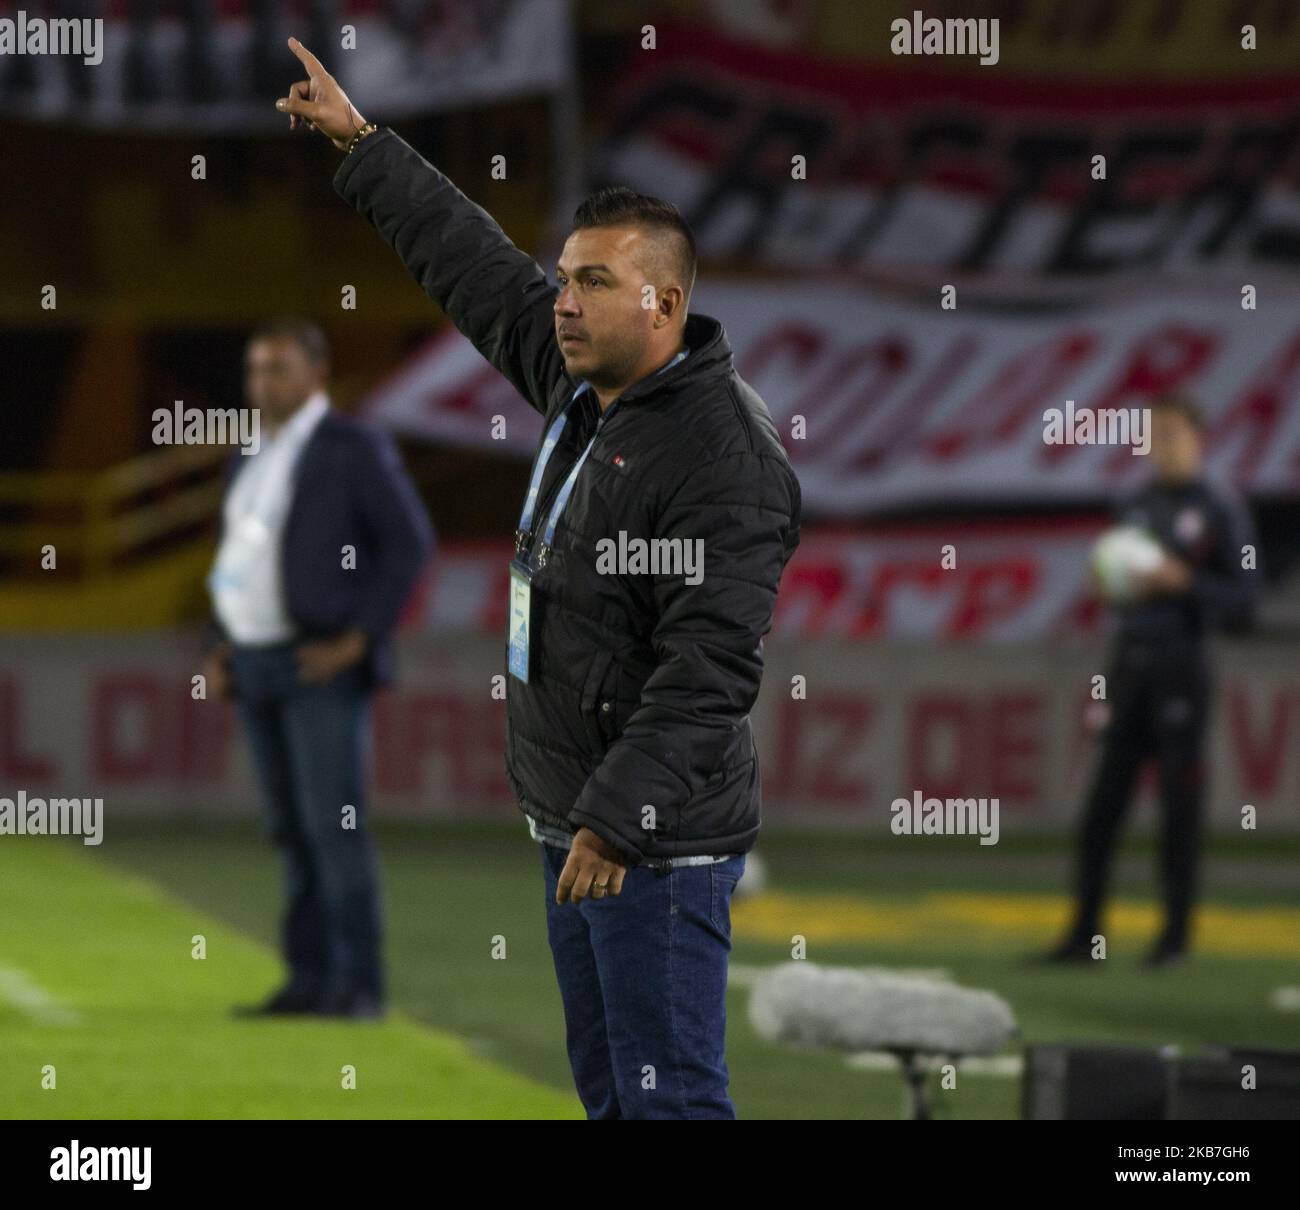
x: 1035, y: 181
x: 111, y: 716
x: 909, y: 405
x: 1009, y: 581
x: 1012, y: 582
x: 1106, y: 239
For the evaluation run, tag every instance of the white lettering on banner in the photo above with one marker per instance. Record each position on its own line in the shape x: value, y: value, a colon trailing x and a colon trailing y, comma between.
x: 907, y: 407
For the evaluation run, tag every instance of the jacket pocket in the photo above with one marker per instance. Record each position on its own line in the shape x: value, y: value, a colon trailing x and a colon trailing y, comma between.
x: 597, y: 705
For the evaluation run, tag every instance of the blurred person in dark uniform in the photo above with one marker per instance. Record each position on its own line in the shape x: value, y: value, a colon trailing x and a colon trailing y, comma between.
x: 322, y: 538
x: 1159, y: 685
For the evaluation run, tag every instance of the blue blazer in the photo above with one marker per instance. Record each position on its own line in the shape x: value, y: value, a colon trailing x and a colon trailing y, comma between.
x: 350, y: 489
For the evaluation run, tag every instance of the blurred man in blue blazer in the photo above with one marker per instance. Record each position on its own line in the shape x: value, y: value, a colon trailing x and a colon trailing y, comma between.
x: 322, y: 538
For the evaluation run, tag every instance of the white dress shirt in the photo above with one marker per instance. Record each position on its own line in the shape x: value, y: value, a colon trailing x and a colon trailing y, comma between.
x: 246, y: 581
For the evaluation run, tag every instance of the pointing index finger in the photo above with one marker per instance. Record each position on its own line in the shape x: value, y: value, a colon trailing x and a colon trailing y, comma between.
x: 308, y: 60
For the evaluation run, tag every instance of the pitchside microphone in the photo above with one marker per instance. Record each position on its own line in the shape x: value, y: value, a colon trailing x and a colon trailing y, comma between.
x: 842, y: 1009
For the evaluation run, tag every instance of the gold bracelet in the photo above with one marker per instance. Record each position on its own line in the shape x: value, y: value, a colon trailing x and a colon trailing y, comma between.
x: 368, y: 128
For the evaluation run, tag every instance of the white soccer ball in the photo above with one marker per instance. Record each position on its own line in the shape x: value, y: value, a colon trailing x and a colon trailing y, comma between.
x: 1121, y: 556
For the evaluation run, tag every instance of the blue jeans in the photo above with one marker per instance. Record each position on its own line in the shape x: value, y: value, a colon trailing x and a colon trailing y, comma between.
x: 309, y: 744
x: 643, y: 980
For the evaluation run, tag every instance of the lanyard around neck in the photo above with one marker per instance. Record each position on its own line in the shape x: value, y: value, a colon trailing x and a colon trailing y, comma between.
x: 566, y: 490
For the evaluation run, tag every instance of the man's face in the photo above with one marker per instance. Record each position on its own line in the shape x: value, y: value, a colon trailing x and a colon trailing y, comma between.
x: 1175, y: 446
x: 279, y: 377
x: 601, y: 325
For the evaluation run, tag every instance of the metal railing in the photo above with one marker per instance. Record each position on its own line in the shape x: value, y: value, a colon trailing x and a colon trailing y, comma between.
x: 103, y: 519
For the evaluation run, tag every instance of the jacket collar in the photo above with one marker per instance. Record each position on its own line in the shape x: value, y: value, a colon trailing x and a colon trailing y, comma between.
x: 709, y: 356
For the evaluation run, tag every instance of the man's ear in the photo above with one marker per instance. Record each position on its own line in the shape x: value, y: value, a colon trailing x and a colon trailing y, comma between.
x: 670, y: 302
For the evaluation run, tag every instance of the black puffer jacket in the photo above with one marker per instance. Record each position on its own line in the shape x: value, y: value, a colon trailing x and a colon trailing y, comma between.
x: 640, y: 686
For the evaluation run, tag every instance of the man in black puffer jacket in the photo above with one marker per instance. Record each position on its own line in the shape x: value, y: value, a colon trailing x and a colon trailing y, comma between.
x: 661, y: 513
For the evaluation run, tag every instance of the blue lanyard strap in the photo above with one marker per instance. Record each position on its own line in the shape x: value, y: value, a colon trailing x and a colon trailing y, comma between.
x: 539, y: 468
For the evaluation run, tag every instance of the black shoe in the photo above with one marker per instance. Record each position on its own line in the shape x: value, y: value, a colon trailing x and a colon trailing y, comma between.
x: 1069, y: 951
x: 358, y: 1006
x: 1165, y: 953
x: 285, y: 1002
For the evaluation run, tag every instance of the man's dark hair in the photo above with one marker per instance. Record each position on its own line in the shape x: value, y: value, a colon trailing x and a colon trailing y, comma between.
x: 617, y: 205
x: 1182, y: 405
x: 307, y: 335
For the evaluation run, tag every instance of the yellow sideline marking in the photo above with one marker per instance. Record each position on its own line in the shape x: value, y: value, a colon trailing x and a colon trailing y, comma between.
x: 989, y: 919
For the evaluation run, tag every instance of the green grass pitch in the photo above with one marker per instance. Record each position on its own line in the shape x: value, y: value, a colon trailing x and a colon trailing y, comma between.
x: 98, y: 982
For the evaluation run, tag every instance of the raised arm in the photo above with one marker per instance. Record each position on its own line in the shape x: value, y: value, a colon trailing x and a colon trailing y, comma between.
x: 495, y: 294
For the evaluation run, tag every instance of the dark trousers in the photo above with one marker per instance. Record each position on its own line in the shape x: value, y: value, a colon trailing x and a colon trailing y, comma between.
x: 310, y: 745
x: 643, y: 979
x: 1159, y: 702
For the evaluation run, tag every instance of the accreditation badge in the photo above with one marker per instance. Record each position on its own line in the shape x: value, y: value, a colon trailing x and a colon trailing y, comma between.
x: 521, y: 596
